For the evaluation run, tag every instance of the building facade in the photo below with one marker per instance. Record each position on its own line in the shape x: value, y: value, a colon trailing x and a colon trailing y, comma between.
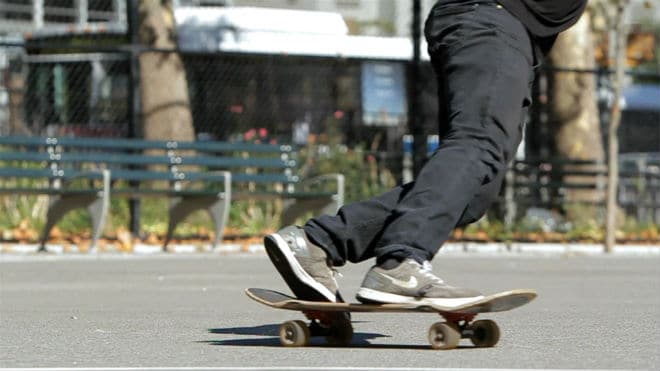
x: 364, y: 17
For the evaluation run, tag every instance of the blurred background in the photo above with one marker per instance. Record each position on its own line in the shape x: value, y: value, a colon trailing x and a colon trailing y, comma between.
x: 347, y: 81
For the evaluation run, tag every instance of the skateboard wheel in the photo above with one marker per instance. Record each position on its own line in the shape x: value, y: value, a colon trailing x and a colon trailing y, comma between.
x: 485, y: 333
x: 294, y: 334
x: 341, y: 333
x: 443, y: 335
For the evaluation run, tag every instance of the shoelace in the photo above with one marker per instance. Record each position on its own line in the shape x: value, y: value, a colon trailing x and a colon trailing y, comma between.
x: 336, y: 273
x: 427, y: 271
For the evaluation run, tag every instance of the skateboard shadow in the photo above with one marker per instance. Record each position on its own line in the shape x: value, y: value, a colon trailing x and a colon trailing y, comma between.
x: 268, y: 337
x: 263, y: 330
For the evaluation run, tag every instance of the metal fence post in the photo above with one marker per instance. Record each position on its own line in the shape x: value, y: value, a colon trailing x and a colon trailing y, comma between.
x: 432, y: 144
x: 408, y: 152
x: 38, y: 14
x: 82, y: 14
x: 416, y: 126
x: 134, y: 103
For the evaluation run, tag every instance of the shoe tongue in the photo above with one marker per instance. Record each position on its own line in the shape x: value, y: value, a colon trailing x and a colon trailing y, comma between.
x: 427, y: 266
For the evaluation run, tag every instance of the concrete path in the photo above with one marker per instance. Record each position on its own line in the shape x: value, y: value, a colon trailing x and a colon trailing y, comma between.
x: 178, y: 310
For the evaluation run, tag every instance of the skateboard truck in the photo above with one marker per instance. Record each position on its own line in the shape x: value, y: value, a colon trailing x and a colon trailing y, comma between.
x: 338, y: 330
x: 297, y: 333
x: 447, y: 335
x: 336, y: 327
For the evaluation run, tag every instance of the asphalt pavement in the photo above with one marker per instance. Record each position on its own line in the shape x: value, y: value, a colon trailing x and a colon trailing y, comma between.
x: 596, y: 312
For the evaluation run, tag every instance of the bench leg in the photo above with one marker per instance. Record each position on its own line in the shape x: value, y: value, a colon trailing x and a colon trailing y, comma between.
x: 181, y: 207
x: 219, y: 212
x: 98, y: 211
x: 97, y: 205
x: 294, y: 209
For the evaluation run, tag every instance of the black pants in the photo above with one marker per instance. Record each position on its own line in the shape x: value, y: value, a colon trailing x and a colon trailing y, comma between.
x: 484, y: 62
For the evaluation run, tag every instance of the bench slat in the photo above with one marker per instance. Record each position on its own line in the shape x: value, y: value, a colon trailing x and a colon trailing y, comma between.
x: 139, y: 144
x: 47, y: 173
x: 145, y: 175
x: 140, y: 159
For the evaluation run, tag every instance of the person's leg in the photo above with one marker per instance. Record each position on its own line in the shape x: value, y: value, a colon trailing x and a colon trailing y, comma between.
x: 484, y: 59
x: 304, y: 265
x: 484, y: 72
x: 305, y: 257
x: 350, y: 235
x: 484, y: 62
x: 478, y: 206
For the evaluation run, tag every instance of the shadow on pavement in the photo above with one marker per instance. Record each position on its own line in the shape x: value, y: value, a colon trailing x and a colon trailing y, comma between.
x: 262, y: 330
x: 270, y: 339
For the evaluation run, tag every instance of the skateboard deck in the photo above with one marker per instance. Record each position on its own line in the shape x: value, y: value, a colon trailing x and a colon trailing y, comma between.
x: 328, y: 319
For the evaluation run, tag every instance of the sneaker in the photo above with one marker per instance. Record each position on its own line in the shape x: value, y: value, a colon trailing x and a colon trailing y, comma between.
x: 304, y: 266
x: 414, y: 283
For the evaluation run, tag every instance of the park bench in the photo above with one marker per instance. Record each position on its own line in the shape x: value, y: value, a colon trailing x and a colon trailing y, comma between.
x: 87, y: 172
x: 546, y: 182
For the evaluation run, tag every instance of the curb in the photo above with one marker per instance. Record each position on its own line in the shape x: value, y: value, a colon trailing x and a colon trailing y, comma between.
x: 548, y: 249
x: 137, y: 249
x: 466, y: 248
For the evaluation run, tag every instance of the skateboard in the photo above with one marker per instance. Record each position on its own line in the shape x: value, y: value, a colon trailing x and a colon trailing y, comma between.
x: 331, y: 320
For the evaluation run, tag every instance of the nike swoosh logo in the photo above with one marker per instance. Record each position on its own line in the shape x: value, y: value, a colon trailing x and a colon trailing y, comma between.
x: 410, y: 284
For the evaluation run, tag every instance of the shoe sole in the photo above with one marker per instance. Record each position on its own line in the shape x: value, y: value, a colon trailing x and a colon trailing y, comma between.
x: 301, y: 283
x: 366, y: 295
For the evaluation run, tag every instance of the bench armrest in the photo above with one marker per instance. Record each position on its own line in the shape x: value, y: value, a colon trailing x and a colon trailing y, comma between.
x: 338, y: 178
x: 226, y: 175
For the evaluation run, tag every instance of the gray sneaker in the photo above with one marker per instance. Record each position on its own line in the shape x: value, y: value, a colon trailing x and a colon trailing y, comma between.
x: 304, y: 266
x: 411, y: 282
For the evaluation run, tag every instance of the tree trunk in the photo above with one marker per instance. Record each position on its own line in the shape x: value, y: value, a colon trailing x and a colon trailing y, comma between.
x: 164, y: 89
x: 573, y: 108
x: 613, y: 139
x: 16, y: 89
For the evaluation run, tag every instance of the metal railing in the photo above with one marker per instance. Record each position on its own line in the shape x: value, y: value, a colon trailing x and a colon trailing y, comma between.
x: 48, y: 15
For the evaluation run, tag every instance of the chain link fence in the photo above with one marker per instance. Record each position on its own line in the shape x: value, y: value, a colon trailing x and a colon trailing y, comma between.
x: 83, y: 89
x: 85, y: 92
